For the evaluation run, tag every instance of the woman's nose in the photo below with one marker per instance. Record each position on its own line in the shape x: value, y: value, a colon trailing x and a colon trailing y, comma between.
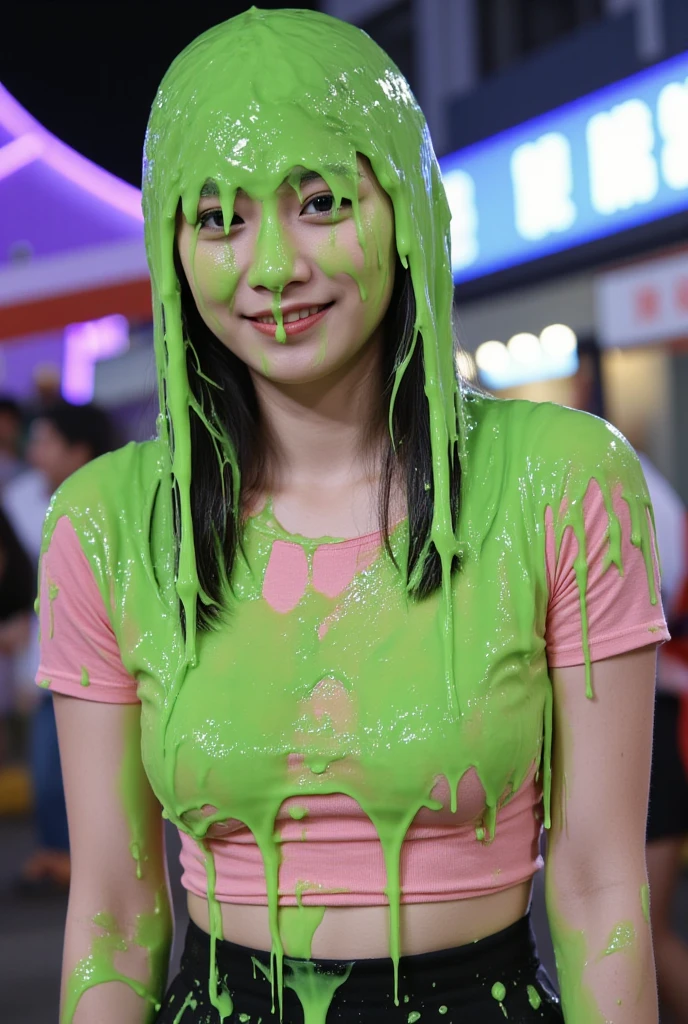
x: 275, y: 263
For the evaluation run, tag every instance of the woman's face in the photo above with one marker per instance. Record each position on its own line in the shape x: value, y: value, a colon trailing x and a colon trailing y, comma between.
x: 298, y: 255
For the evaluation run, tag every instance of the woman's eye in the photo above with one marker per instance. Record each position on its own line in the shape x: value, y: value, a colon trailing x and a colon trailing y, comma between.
x: 214, y: 221
x: 323, y: 205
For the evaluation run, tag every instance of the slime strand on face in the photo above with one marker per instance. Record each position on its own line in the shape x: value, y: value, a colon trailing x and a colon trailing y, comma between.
x: 280, y: 333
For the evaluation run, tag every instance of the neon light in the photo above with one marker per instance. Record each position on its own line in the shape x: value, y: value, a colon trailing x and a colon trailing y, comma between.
x: 66, y: 161
x: 85, y: 344
x: 606, y: 163
x: 20, y: 152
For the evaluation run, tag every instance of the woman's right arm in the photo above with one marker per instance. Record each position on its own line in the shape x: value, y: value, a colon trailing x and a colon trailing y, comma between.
x: 119, y: 926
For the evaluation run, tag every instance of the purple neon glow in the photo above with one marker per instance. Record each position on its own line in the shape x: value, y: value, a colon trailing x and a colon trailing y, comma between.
x: 85, y: 344
x: 65, y: 160
x: 20, y: 152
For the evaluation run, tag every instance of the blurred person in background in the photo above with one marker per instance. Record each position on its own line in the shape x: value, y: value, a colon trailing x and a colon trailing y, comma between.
x: 47, y: 380
x: 17, y: 593
x: 11, y: 465
x: 11, y: 422
x: 667, y: 827
x: 62, y: 438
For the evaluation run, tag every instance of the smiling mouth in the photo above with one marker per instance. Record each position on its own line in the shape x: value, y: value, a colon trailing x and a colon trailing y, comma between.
x: 296, y: 321
x: 293, y: 316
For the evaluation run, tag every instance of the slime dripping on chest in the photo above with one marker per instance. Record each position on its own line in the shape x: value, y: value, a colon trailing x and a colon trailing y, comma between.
x: 346, y: 702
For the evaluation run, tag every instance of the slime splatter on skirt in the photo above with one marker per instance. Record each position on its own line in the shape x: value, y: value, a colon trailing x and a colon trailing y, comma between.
x: 486, y: 982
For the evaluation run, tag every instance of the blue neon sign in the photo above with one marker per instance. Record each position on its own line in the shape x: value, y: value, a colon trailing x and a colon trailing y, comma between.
x: 604, y: 163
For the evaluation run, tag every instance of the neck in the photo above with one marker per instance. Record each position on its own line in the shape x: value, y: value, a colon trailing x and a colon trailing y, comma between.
x: 321, y: 431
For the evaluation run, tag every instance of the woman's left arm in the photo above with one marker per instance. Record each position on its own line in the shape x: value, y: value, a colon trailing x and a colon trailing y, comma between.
x: 596, y: 881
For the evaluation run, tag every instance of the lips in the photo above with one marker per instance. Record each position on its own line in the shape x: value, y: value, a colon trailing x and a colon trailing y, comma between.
x: 296, y: 321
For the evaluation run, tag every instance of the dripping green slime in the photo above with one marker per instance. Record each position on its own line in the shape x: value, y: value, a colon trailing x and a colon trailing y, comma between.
x: 330, y: 95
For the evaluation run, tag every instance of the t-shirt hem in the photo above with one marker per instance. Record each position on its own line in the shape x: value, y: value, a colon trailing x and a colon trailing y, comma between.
x: 69, y: 686
x: 365, y: 899
x: 654, y: 632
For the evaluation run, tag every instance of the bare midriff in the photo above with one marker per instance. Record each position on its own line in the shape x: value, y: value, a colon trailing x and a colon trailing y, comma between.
x: 348, y: 933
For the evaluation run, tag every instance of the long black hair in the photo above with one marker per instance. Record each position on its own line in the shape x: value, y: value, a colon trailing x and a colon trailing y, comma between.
x: 222, y: 387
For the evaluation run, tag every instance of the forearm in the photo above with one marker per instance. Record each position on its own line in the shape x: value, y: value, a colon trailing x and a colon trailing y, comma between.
x: 603, y: 947
x: 115, y: 960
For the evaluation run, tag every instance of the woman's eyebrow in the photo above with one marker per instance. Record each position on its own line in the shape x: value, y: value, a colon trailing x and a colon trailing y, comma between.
x: 209, y: 188
x: 310, y: 176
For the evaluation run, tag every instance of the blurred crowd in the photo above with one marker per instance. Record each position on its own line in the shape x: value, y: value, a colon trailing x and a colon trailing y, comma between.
x: 41, y: 444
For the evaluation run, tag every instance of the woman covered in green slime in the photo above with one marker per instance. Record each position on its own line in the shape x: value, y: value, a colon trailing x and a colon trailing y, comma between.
x: 356, y: 627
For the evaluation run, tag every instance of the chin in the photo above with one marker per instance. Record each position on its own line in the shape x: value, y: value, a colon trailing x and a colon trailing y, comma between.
x: 296, y: 375
x: 291, y: 364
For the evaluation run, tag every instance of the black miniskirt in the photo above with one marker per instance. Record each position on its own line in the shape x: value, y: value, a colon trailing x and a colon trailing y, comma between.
x: 496, y: 979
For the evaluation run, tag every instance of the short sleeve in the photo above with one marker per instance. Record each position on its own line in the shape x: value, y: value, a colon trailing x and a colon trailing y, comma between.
x: 79, y: 654
x: 620, y: 614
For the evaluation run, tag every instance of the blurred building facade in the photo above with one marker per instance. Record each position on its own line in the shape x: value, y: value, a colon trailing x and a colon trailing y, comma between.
x: 562, y: 130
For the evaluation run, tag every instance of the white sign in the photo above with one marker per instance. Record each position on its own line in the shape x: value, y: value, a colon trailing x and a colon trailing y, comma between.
x: 644, y: 303
x: 606, y: 163
x: 542, y: 176
x: 623, y: 168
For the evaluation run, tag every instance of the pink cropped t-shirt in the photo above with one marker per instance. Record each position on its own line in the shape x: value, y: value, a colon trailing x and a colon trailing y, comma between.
x: 440, y: 858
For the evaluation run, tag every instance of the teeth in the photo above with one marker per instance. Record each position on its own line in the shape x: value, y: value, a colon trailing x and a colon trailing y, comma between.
x: 297, y: 314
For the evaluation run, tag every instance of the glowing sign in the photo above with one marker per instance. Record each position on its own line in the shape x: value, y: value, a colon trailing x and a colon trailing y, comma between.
x: 605, y: 163
x: 85, y: 344
x: 32, y: 141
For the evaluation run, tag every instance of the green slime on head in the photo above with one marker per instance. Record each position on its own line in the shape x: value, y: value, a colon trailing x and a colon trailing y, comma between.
x: 332, y: 94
